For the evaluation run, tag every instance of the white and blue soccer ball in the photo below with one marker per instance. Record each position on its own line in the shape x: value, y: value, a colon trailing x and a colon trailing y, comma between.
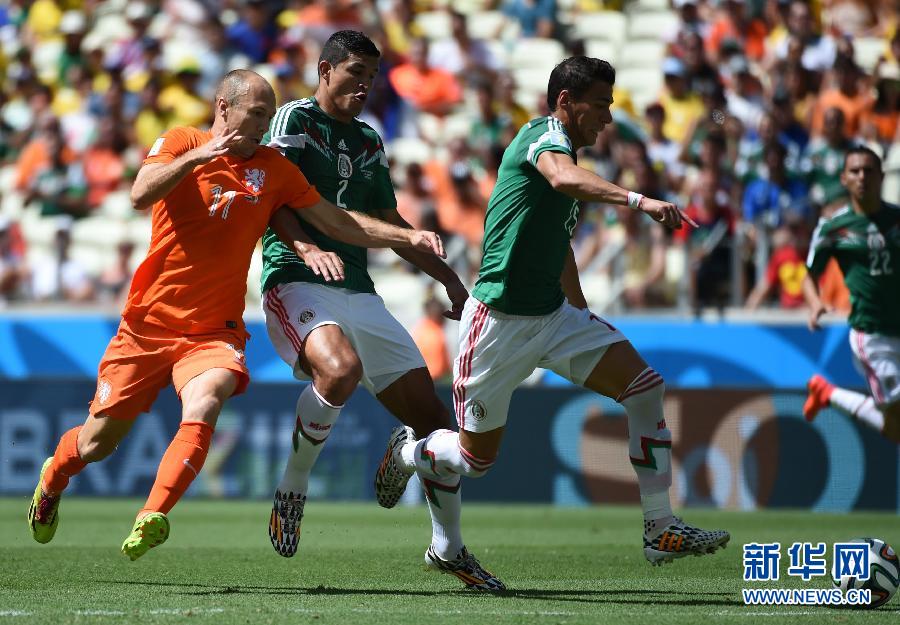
x: 884, y: 573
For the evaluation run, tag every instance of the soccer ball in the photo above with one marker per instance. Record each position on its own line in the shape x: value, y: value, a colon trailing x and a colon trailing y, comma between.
x: 884, y: 573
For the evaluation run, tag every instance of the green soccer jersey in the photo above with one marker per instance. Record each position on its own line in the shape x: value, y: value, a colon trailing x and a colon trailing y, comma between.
x: 868, y: 252
x: 347, y: 165
x: 527, y: 228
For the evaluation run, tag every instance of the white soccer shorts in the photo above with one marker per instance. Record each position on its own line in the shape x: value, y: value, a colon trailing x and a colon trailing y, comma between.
x: 877, y: 357
x: 498, y: 351
x: 384, y: 347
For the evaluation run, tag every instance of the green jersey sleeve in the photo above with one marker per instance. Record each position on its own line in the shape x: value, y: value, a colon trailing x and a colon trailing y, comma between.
x: 821, y: 248
x: 553, y: 139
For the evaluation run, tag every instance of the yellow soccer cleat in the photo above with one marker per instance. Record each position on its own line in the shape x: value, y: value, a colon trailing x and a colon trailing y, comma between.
x: 148, y: 532
x: 43, y: 513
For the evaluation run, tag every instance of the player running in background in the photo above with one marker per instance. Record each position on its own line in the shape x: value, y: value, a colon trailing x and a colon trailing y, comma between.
x: 212, y: 193
x: 864, y: 238
x: 341, y: 335
x: 527, y: 310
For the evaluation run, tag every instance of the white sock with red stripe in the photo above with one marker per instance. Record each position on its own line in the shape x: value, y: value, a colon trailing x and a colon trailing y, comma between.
x: 859, y: 406
x: 440, y: 455
x: 315, y: 416
x: 439, y: 462
x: 649, y: 442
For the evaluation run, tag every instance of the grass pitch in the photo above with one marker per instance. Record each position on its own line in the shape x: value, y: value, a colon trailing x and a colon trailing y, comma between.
x: 360, y: 564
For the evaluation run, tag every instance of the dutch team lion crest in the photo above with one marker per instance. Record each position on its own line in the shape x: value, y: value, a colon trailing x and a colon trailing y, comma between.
x: 254, y: 179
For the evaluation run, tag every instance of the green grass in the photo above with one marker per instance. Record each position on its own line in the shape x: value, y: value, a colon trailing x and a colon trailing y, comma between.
x: 360, y: 564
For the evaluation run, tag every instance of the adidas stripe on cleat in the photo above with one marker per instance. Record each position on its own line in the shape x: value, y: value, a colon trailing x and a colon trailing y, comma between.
x: 43, y: 512
x: 680, y: 539
x: 284, y: 522
x: 390, y: 479
x: 148, y: 532
x: 467, y: 568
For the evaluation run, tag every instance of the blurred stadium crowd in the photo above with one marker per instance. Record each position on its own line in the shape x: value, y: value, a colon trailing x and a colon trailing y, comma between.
x: 738, y: 110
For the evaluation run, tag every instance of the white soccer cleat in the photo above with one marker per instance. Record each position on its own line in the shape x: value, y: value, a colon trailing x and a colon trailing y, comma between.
x: 390, y: 479
x: 284, y: 523
x: 680, y: 539
x: 465, y: 567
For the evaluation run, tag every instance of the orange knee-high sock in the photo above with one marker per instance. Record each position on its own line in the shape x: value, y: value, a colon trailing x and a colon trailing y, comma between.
x: 179, y: 466
x: 66, y: 463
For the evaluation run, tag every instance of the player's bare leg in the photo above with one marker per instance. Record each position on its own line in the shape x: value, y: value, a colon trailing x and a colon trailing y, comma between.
x: 78, y: 447
x: 330, y: 360
x: 623, y: 375
x: 202, y: 399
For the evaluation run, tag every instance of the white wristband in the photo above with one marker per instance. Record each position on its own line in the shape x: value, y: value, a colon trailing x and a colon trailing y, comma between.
x: 634, y: 200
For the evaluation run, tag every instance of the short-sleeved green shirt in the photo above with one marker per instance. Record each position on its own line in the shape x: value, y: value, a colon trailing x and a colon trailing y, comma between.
x: 528, y: 227
x: 347, y: 165
x: 867, y: 248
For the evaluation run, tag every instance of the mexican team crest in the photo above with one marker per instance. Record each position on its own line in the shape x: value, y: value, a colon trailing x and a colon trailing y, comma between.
x: 344, y: 166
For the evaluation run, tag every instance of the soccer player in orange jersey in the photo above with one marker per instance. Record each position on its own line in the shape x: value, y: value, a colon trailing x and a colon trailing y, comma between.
x: 213, y: 194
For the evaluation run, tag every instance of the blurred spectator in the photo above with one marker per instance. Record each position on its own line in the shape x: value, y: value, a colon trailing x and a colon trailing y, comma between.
x: 181, y: 100
x: 425, y: 88
x: 254, y: 33
x: 490, y: 128
x: 708, y: 247
x: 37, y: 154
x: 58, y: 186
x: 855, y: 18
x: 116, y: 278
x: 776, y: 197
x: 833, y: 290
x: 468, y: 59
x: 734, y: 26
x: 824, y: 160
x: 400, y: 27
x: 459, y: 204
x: 72, y: 26
x: 745, y: 94
x: 216, y: 54
x: 817, y: 52
x: 879, y: 123
x: 13, y: 270
x: 536, y: 18
x: 682, y: 107
x: 506, y: 97
x: 663, y: 152
x: 701, y: 74
x: 798, y: 87
x: 61, y: 278
x: 104, y: 165
x: 429, y: 337
x: 127, y: 54
x: 152, y: 121
x: 644, y: 261
x: 414, y: 201
x: 848, y: 96
x: 784, y: 273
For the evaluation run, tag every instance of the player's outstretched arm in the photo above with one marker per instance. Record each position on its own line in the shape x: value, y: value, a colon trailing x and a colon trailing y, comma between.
x: 565, y: 176
x: 155, y: 181
x: 431, y: 265
x: 359, y: 229
x: 571, y: 284
x: 816, y: 307
x: 290, y: 232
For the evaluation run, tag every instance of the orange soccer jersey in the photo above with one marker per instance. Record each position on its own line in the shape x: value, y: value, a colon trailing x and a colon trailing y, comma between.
x: 194, y: 278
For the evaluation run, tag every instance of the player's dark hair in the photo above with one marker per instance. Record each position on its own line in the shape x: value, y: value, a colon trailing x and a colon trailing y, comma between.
x: 577, y: 74
x: 861, y: 149
x: 343, y: 43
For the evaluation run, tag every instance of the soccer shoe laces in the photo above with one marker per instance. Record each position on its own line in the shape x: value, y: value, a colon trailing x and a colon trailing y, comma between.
x: 46, y: 509
x: 467, y: 568
x: 284, y: 525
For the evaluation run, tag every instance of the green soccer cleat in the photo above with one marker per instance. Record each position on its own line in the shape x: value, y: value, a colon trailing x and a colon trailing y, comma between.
x: 148, y: 532
x: 43, y: 513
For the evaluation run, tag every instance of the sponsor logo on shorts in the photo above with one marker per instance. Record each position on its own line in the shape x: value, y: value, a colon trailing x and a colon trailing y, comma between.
x: 104, y: 390
x: 318, y: 426
x: 306, y: 316
x: 238, y: 353
x: 477, y: 409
